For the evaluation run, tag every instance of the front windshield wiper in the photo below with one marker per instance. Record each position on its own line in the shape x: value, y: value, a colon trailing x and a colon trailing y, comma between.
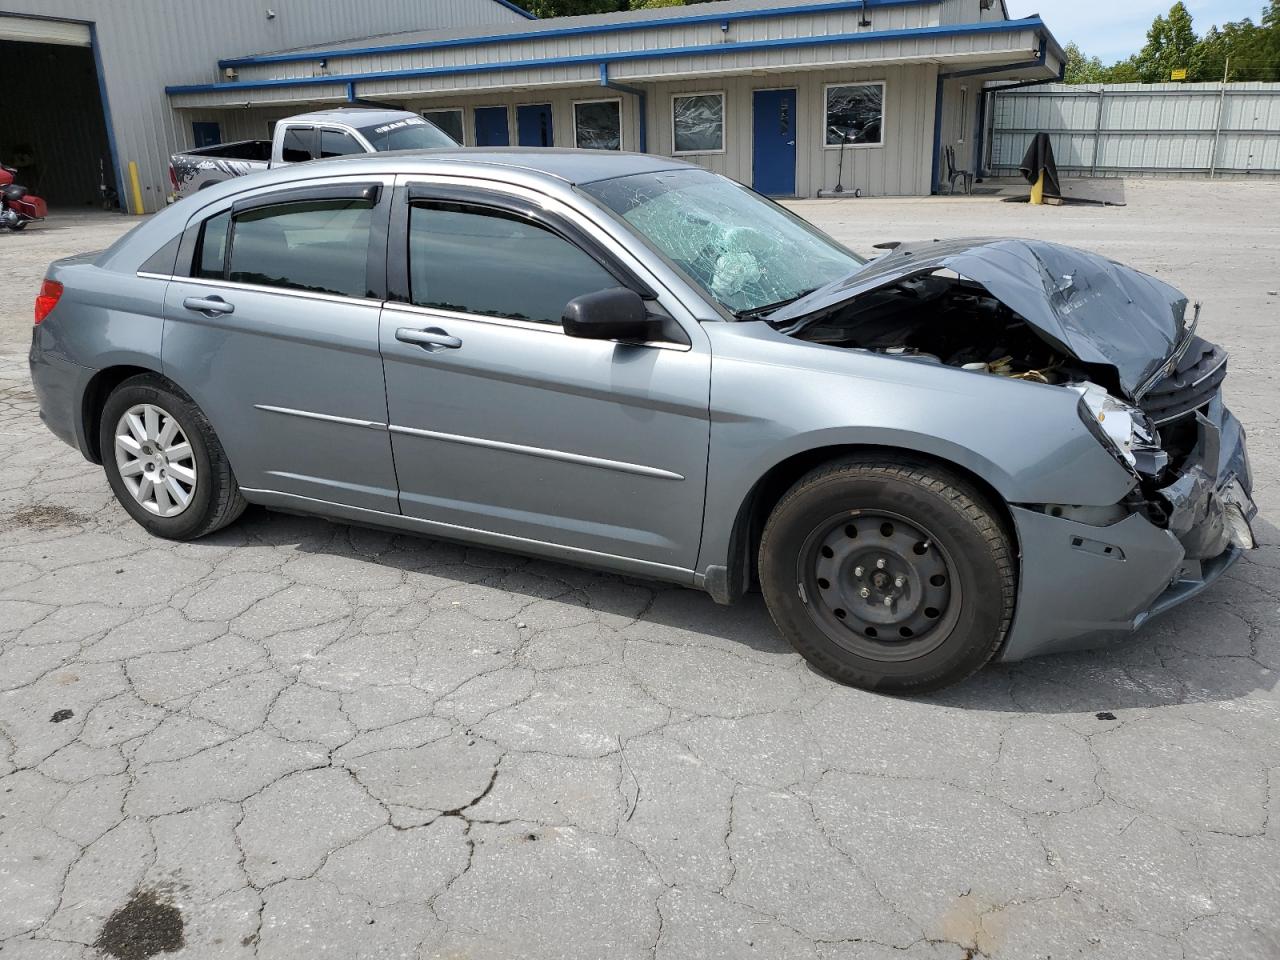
x: 756, y: 313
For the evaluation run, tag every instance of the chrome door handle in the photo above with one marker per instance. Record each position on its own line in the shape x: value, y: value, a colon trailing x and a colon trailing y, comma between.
x: 208, y: 305
x: 432, y: 338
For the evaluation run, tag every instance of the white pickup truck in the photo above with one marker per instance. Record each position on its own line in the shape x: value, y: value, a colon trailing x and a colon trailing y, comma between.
x: 308, y: 136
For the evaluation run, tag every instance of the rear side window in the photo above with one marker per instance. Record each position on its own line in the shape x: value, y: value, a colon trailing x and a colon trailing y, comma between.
x: 298, y: 145
x: 483, y: 261
x: 335, y: 143
x: 316, y: 245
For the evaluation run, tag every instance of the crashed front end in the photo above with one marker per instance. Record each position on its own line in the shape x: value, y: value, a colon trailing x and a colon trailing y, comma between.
x: 1150, y: 391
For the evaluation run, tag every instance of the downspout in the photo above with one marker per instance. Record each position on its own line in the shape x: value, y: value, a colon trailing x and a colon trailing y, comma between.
x: 975, y: 72
x: 360, y: 101
x: 642, y: 103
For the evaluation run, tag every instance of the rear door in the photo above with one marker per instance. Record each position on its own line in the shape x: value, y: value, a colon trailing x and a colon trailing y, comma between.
x: 502, y: 423
x: 272, y: 327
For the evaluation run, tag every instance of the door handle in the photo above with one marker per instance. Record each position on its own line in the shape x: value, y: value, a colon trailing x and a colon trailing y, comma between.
x: 208, y: 305
x: 432, y: 338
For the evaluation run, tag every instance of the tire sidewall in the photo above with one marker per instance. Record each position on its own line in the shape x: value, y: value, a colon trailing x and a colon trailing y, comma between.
x: 979, y: 625
x: 193, y: 518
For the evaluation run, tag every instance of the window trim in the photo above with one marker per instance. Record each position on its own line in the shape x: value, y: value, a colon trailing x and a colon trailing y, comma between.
x: 462, y: 119
x: 724, y: 123
x: 884, y: 135
x: 621, y: 122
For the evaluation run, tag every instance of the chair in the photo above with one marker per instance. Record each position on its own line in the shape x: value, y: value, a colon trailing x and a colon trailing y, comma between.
x: 954, y: 174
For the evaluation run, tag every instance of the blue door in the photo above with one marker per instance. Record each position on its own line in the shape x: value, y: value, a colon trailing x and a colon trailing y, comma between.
x: 533, y: 125
x: 206, y: 133
x: 773, y: 142
x: 491, y: 127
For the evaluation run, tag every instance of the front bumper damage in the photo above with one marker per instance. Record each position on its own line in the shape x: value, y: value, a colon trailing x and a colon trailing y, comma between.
x: 1083, y: 586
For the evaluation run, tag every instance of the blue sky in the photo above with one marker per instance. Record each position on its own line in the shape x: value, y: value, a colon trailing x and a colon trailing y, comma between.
x: 1113, y: 29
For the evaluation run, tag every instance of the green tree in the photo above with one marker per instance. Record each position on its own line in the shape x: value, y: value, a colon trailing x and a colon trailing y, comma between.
x: 1081, y: 68
x: 1172, y: 44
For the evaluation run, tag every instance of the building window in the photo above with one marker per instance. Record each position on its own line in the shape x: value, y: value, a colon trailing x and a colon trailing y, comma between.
x: 597, y: 124
x: 855, y: 114
x: 697, y: 123
x: 448, y: 120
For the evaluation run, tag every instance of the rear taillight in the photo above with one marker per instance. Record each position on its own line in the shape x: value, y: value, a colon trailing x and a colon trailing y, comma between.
x: 47, y: 299
x: 173, y: 178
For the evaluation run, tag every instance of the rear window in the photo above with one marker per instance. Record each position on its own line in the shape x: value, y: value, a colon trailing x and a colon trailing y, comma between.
x: 411, y: 133
x: 316, y: 245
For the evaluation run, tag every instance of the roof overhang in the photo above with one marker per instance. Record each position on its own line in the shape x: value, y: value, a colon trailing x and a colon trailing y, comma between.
x: 966, y: 46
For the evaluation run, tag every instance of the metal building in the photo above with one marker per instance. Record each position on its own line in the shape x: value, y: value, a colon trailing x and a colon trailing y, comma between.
x: 794, y: 97
x: 89, y: 75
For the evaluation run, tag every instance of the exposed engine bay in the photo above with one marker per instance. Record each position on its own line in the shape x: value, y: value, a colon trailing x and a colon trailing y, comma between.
x: 942, y: 318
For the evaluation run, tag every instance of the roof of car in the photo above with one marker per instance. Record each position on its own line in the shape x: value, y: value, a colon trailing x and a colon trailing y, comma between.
x: 352, y: 116
x: 567, y: 165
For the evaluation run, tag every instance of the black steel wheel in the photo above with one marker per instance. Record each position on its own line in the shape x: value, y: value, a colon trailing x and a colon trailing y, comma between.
x: 889, y: 574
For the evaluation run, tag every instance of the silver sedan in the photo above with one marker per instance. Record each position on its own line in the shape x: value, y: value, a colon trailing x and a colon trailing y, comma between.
x: 952, y: 453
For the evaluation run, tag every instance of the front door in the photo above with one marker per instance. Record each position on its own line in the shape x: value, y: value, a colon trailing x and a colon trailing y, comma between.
x: 491, y: 127
x: 533, y: 125
x: 773, y: 142
x: 272, y: 327
x: 502, y: 423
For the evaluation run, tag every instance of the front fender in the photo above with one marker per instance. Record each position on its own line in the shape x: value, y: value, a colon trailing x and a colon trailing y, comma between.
x: 773, y: 398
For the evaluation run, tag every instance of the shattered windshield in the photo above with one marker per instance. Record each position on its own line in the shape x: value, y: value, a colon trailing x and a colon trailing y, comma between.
x: 748, y: 253
x: 411, y: 133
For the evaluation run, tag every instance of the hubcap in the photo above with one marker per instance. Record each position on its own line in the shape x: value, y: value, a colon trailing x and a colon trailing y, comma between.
x: 879, y: 585
x: 155, y: 460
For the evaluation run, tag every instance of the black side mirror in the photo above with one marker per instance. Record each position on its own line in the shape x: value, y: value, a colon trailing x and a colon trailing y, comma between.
x: 613, y: 314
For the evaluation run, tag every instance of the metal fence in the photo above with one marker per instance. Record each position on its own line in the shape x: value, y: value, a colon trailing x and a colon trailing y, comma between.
x: 1132, y: 129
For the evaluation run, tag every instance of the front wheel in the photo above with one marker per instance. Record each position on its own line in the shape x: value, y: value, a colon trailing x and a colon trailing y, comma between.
x: 888, y: 574
x: 17, y: 225
x: 164, y: 462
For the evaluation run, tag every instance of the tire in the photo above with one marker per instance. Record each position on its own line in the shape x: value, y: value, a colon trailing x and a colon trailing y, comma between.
x: 18, y: 225
x: 889, y: 574
x: 213, y: 498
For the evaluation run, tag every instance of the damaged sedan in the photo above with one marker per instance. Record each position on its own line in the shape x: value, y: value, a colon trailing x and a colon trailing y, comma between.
x: 953, y: 453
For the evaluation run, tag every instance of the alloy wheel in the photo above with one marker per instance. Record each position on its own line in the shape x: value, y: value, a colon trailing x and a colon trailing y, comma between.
x: 155, y: 459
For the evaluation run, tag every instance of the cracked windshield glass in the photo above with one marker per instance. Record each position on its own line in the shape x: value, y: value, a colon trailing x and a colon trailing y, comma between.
x: 748, y: 253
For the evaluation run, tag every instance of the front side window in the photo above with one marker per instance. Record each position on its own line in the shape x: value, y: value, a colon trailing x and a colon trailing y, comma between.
x: 855, y: 114
x: 316, y: 245
x: 597, y: 124
x: 449, y: 121
x: 298, y: 145
x: 409, y: 133
x: 746, y: 252
x: 479, y: 260
x: 697, y: 123
x: 335, y: 143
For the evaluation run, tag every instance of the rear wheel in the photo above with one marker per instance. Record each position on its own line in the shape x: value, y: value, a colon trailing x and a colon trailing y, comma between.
x: 16, y: 225
x: 888, y: 574
x: 164, y: 462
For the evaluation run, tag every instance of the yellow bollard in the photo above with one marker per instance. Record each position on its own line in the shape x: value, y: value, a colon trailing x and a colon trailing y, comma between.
x: 137, y: 188
x: 1037, y: 190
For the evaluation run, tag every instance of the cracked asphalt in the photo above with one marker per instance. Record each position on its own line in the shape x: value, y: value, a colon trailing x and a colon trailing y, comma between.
x: 311, y: 740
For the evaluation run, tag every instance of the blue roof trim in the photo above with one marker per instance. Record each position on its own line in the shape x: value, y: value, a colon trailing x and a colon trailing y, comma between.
x: 521, y: 10
x: 621, y: 56
x: 654, y: 23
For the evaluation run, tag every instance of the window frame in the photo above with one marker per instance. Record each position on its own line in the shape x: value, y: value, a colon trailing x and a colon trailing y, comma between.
x: 884, y: 131
x: 724, y: 123
x: 350, y: 134
x: 314, y: 138
x: 462, y: 120
x: 358, y: 188
x: 621, y: 123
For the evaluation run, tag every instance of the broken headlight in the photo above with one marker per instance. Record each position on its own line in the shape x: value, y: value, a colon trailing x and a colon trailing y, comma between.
x: 1125, y: 431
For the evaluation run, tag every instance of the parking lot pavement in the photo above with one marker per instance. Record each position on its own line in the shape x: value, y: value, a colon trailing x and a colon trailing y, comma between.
x: 296, y: 738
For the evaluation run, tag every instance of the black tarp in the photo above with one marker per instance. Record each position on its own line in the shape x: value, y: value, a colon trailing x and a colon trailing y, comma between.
x: 1039, y: 157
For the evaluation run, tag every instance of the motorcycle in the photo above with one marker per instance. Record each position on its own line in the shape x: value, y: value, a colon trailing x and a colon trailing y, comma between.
x: 17, y: 206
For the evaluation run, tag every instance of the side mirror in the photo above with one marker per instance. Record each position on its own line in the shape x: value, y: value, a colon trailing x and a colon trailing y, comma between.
x: 613, y: 314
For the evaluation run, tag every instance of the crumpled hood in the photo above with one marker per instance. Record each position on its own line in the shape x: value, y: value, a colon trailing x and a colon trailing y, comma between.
x: 1086, y: 305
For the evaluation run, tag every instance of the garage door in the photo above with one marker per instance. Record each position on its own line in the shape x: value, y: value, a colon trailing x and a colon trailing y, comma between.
x: 35, y: 30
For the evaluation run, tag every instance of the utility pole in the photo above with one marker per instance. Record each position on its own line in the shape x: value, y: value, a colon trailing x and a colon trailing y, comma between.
x: 1217, y: 133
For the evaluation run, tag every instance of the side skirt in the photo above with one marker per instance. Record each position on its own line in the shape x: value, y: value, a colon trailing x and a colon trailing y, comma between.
x: 327, y: 509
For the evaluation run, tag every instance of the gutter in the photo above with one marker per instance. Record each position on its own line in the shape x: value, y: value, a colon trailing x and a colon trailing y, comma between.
x: 622, y: 56
x: 642, y: 103
x: 936, y: 182
x: 304, y: 56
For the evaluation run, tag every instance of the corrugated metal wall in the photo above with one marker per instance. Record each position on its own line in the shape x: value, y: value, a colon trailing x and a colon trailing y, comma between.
x: 1172, y: 129
x: 145, y: 44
